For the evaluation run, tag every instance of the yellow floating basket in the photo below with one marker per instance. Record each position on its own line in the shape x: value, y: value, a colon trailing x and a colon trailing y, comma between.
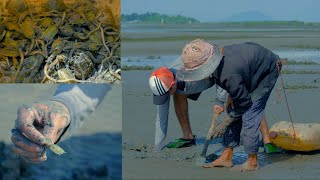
x: 307, y: 136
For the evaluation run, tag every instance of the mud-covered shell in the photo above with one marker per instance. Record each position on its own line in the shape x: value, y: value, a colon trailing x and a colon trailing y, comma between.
x: 50, y: 33
x: 82, y: 66
x: 118, y: 52
x: 54, y: 5
x: 90, y: 15
x: 92, y: 47
x: 23, y: 43
x: 65, y: 74
x: 96, y: 37
x: 66, y: 30
x: 27, y: 28
x: 12, y: 26
x: 57, y: 46
x: 32, y: 62
x: 11, y: 44
x: 56, y: 149
x: 9, y: 53
x: 16, y: 6
x: 76, y: 19
x: 46, y: 22
x: 11, y: 48
x: 111, y: 39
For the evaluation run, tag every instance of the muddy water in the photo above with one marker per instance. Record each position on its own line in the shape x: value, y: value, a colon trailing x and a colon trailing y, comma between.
x: 140, y: 162
x: 94, y: 151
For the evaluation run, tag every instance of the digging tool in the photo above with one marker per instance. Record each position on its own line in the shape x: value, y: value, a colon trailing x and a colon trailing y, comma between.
x: 202, y: 159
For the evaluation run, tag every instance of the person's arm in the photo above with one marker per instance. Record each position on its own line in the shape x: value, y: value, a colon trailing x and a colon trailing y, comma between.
x: 239, y: 94
x: 221, y: 96
x: 241, y: 102
x: 80, y: 99
x: 161, y: 125
x: 220, y: 99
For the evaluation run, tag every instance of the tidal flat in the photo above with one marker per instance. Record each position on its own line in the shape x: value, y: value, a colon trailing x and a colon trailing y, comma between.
x: 299, y: 44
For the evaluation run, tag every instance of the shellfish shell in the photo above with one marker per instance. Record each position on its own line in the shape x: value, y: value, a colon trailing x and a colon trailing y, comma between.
x: 54, y: 5
x: 65, y: 74
x: 27, y: 28
x: 49, y: 33
x: 56, y: 149
x: 16, y: 6
x: 82, y: 66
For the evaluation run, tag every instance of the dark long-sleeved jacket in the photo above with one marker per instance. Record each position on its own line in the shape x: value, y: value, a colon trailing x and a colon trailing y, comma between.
x: 241, y: 70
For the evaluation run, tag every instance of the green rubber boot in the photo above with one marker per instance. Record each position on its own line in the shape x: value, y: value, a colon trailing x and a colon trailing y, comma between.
x: 180, y: 143
x: 271, y: 148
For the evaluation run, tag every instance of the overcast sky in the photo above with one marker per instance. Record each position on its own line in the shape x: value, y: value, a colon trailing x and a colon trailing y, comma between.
x: 216, y: 10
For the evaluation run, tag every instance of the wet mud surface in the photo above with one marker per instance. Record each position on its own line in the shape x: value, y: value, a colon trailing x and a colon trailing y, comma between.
x: 87, y: 157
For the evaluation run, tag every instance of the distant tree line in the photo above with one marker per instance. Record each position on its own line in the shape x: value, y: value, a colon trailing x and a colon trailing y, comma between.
x: 157, y: 18
x: 266, y: 23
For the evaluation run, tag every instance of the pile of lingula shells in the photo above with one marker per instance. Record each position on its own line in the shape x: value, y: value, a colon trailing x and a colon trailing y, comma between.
x: 58, y: 43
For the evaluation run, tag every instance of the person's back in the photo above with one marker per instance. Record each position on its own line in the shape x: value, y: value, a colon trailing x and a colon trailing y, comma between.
x: 251, y: 61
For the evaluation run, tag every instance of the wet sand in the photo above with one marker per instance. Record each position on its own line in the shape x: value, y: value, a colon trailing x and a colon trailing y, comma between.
x: 139, y: 162
x: 94, y: 151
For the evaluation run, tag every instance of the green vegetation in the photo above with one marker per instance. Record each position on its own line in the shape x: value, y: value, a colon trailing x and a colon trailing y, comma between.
x: 130, y: 68
x: 293, y: 62
x: 156, y: 18
x: 299, y: 72
x: 131, y: 60
x: 153, y: 57
x: 278, y: 23
x: 302, y: 46
x: 185, y: 38
x: 146, y: 58
x: 296, y: 87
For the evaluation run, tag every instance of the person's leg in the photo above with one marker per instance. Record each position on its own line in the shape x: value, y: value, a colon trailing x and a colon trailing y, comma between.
x: 181, y: 109
x: 250, y: 135
x: 225, y: 159
x: 253, y: 118
x: 268, y: 146
x: 264, y: 130
x: 231, y: 139
x: 251, y: 121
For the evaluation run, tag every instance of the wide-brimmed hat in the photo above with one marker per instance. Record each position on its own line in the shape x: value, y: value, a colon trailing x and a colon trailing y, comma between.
x: 160, y: 82
x: 200, y: 59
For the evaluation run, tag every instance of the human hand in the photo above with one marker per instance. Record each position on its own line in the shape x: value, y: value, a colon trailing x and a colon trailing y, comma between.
x: 219, y: 109
x: 222, y: 127
x: 37, y: 126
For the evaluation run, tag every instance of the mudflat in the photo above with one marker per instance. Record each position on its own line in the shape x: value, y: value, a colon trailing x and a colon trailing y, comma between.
x: 303, y: 92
